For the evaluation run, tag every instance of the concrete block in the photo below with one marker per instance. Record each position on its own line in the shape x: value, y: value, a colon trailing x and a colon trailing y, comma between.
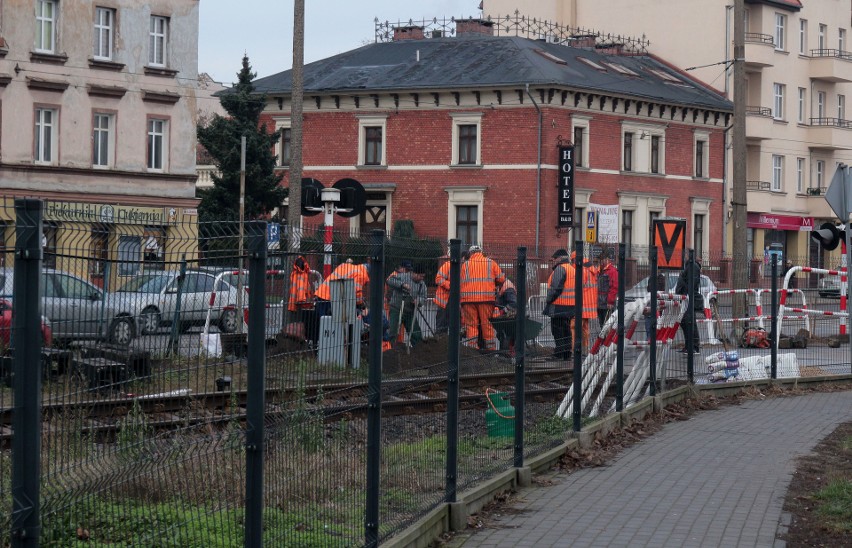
x: 458, y: 516
x: 524, y: 476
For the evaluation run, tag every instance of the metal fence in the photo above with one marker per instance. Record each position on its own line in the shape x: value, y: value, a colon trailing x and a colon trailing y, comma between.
x: 167, y: 384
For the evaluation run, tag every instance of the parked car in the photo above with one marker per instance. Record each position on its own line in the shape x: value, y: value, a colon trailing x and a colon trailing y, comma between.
x: 6, y: 327
x: 639, y: 290
x: 153, y: 298
x: 77, y: 309
x: 829, y: 286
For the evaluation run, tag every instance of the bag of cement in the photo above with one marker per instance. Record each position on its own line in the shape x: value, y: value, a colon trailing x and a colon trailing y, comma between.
x: 730, y: 356
x: 211, y: 344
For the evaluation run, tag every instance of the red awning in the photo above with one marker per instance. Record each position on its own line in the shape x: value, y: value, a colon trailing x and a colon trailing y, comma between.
x: 779, y: 222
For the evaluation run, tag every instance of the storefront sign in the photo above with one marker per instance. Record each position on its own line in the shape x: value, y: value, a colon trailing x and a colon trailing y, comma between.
x: 607, y: 222
x: 77, y: 212
x: 566, y: 188
x: 779, y: 222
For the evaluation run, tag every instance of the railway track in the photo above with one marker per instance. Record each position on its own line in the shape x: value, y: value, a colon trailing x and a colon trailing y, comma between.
x: 403, y: 396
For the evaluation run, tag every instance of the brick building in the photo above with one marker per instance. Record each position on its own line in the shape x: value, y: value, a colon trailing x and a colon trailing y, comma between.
x: 459, y: 132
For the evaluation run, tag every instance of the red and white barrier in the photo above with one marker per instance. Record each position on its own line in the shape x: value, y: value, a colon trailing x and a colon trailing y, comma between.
x: 844, y: 312
x: 708, y: 315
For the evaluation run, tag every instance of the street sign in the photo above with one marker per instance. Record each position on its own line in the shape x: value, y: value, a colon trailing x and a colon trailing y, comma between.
x: 839, y: 193
x: 670, y: 240
x: 591, y: 227
x: 273, y: 234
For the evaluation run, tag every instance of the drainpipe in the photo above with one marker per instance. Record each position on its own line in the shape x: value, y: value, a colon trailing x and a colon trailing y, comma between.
x: 727, y: 53
x: 725, y: 188
x: 537, y: 175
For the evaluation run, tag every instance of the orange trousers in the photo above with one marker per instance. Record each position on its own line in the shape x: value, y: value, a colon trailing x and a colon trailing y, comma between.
x: 475, y: 319
x: 585, y: 327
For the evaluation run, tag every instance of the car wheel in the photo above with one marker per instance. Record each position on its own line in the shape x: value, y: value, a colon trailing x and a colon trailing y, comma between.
x: 228, y: 321
x: 149, y: 321
x: 121, y: 331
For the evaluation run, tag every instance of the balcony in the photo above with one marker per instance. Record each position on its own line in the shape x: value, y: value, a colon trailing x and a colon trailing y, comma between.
x: 759, y: 123
x: 816, y: 191
x: 759, y: 51
x: 205, y: 175
x: 830, y: 134
x: 758, y: 185
x: 830, y: 65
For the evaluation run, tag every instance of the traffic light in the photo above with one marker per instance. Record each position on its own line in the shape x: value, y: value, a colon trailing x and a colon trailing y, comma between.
x: 829, y: 235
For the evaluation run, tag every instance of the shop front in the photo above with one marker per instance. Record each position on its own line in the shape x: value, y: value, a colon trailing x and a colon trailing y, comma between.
x: 108, y: 243
x: 785, y: 236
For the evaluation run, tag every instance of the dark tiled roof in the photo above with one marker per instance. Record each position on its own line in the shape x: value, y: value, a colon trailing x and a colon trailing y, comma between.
x: 795, y: 5
x: 477, y: 62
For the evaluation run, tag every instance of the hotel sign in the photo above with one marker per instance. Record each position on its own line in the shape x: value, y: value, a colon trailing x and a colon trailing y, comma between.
x: 80, y: 212
x: 566, y: 187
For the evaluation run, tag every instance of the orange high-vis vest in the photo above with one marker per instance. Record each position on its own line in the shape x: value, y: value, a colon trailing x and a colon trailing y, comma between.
x: 301, y: 290
x: 590, y: 292
x: 356, y: 272
x: 566, y: 298
x: 480, y: 277
x: 442, y: 281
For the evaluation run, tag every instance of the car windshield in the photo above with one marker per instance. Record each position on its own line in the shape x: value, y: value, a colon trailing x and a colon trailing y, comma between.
x: 146, y: 284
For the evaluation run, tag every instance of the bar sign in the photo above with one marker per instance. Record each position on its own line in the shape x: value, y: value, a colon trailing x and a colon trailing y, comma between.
x: 566, y: 187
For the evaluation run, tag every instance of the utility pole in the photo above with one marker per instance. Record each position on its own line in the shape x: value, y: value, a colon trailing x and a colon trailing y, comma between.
x: 739, y: 201
x: 297, y: 95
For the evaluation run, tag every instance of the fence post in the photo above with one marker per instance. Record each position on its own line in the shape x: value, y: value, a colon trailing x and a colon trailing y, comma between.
x: 256, y: 367
x: 453, y: 342
x: 619, y: 356
x: 578, y: 334
x: 26, y: 345
x: 773, y: 329
x: 374, y: 391
x: 690, y: 335
x: 652, y: 336
x: 520, y: 344
x: 174, y: 333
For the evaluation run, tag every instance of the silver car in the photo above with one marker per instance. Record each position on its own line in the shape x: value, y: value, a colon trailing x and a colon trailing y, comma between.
x: 153, y: 298
x: 641, y: 289
x: 77, y: 309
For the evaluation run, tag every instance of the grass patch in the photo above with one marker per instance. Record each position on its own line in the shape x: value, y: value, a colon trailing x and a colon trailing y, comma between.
x: 836, y: 504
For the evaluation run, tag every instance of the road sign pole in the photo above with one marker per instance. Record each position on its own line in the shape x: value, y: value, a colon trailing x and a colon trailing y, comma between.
x: 848, y: 243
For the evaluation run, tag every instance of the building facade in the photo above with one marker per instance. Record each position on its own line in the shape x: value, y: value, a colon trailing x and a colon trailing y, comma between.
x: 98, y: 118
x: 460, y: 132
x: 798, y: 62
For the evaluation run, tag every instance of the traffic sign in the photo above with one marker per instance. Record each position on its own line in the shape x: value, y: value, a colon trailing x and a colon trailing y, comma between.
x: 670, y: 240
x: 839, y: 193
x: 591, y: 227
x: 273, y: 233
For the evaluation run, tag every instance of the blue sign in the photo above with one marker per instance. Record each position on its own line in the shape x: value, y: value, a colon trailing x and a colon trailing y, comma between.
x: 273, y: 233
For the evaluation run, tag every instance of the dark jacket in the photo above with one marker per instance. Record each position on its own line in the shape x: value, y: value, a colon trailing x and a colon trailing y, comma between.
x: 682, y: 287
x: 557, y: 283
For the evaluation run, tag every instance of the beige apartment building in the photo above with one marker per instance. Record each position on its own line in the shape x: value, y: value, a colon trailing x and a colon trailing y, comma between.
x: 799, y: 78
x: 98, y: 116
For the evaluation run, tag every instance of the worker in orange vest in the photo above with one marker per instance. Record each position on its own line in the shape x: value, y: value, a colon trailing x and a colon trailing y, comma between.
x: 559, y: 303
x: 590, y: 298
x: 442, y: 297
x: 301, y: 302
x: 359, y: 273
x: 480, y: 277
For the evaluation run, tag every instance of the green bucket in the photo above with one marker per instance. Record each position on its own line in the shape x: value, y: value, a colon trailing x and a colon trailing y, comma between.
x: 500, y: 415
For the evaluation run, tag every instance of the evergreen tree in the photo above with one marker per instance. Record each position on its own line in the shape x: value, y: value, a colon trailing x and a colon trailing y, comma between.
x: 221, y: 137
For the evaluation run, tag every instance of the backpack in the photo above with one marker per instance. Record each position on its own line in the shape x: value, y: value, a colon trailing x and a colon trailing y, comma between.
x: 755, y: 337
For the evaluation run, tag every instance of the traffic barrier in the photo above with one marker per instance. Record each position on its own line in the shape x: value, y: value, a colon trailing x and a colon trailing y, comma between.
x: 782, y: 300
x: 710, y: 322
x: 844, y: 312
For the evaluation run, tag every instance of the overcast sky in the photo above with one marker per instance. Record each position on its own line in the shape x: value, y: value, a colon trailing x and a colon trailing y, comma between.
x: 264, y: 29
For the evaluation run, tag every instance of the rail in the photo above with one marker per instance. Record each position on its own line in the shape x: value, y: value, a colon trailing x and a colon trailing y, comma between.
x: 836, y: 53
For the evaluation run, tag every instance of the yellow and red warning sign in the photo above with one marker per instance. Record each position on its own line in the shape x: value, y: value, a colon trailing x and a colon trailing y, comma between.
x: 670, y: 239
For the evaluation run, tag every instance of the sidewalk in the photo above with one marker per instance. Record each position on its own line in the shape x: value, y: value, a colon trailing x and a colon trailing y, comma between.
x: 717, y: 479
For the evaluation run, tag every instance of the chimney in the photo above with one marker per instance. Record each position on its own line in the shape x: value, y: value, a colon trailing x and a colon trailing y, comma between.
x: 610, y: 48
x: 408, y: 33
x: 583, y: 40
x: 474, y: 26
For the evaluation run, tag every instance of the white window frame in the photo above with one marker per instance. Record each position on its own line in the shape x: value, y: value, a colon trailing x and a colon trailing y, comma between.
x: 158, y: 41
x: 777, y: 173
x: 157, y: 138
x: 803, y: 36
x: 841, y: 39
x: 46, y: 138
x: 367, y: 121
x: 466, y: 119
x: 582, y: 122
x: 823, y: 30
x: 801, y: 166
x: 821, y: 96
x: 780, y: 31
x: 103, y: 135
x: 819, y: 174
x: 46, y: 17
x: 465, y: 196
x: 281, y: 123
x: 701, y: 207
x: 778, y: 90
x: 641, y: 154
x: 803, y: 98
x: 841, y: 106
x: 701, y: 136
x: 104, y: 32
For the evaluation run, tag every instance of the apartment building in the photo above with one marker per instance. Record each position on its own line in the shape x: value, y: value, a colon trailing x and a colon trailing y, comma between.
x: 799, y: 78
x: 98, y: 118
x: 460, y: 130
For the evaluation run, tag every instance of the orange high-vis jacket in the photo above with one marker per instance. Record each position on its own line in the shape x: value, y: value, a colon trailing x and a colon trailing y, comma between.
x: 590, y: 292
x: 442, y: 281
x: 301, y: 290
x: 356, y: 272
x: 480, y: 277
x: 566, y: 298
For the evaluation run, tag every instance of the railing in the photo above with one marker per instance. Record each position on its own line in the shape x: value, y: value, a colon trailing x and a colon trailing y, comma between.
x: 832, y: 122
x: 816, y: 191
x: 758, y: 185
x: 756, y: 37
x: 759, y: 111
x: 838, y: 53
x: 205, y: 175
